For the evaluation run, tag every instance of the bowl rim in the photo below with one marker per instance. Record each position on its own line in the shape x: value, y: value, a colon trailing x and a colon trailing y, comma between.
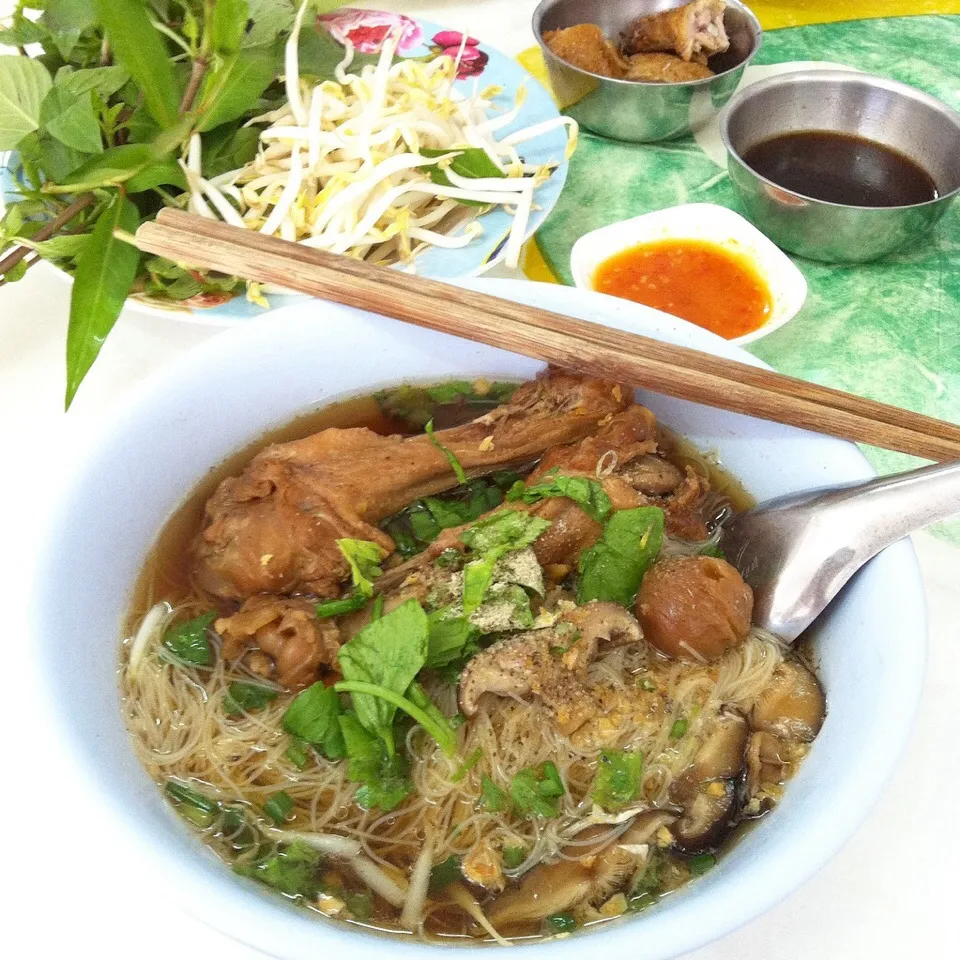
x: 206, y: 888
x: 551, y: 57
x: 742, y: 98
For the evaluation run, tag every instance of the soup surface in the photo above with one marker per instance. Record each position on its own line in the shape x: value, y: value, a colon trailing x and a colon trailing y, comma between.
x: 841, y: 168
x: 502, y: 683
x: 696, y: 280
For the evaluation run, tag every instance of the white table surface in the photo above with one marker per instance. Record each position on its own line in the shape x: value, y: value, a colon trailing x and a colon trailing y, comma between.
x: 71, y: 892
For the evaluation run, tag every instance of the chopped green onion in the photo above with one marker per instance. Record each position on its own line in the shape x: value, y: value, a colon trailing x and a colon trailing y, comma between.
x: 679, y: 728
x: 492, y: 798
x: 337, y: 608
x: 647, y: 684
x: 561, y: 923
x: 447, y: 452
x: 467, y: 765
x: 701, y: 863
x: 535, y: 791
x: 297, y: 753
x: 445, y: 873
x: 278, y: 807
x: 184, y: 794
x: 377, y: 612
x: 513, y: 857
x: 359, y: 904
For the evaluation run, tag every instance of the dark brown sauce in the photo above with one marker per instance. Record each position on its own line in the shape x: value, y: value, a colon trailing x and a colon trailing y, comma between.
x: 840, y: 168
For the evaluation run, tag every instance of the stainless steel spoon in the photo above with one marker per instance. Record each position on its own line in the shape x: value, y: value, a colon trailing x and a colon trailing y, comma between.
x: 796, y: 552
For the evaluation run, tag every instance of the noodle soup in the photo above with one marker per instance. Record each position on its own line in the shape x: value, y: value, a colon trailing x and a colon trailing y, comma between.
x: 464, y: 661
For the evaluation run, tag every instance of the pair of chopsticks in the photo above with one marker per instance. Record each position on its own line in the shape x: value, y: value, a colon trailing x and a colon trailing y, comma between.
x: 575, y: 345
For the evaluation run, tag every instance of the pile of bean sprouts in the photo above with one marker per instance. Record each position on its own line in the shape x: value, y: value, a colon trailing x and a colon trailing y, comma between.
x: 340, y: 165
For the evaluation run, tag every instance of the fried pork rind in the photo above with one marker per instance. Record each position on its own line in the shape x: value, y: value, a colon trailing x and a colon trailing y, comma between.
x: 586, y: 47
x: 693, y: 32
x: 664, y: 68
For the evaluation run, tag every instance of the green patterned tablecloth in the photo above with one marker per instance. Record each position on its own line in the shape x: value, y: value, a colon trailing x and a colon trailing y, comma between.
x: 889, y: 330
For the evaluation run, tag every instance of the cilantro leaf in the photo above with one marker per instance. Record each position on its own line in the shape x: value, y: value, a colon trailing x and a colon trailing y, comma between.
x: 492, y: 798
x: 445, y: 873
x: 246, y: 697
x: 536, y: 791
x: 618, y: 778
x: 383, y: 779
x: 294, y: 869
x: 449, y: 638
x: 493, y: 537
x: 586, y: 493
x: 188, y: 641
x: 364, y: 558
x: 312, y: 716
x: 614, y: 566
x: 388, y: 653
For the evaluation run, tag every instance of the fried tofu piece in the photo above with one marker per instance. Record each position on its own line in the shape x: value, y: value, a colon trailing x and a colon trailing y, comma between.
x: 693, y: 32
x: 664, y: 68
x: 586, y: 47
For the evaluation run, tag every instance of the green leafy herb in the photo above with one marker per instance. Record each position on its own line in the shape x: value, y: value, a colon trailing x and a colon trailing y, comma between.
x: 535, y: 791
x: 513, y: 857
x: 561, y: 923
x: 338, y: 608
x: 246, y: 697
x: 614, y: 566
x: 445, y: 873
x: 188, y: 641
x: 471, y: 162
x: 417, y: 404
x: 679, y: 728
x: 360, y: 904
x: 278, y: 807
x: 106, y: 269
x: 376, y: 611
x: 648, y: 685
x: 701, y: 863
x: 293, y: 869
x: 447, y: 452
x: 383, y: 779
x: 387, y: 654
x: 364, y: 558
x: 297, y: 752
x: 618, y: 778
x: 141, y: 51
x: 23, y: 85
x: 712, y: 550
x: 492, y: 798
x: 467, y: 765
x: 312, y: 716
x: 449, y: 638
x: 234, y: 88
x: 587, y: 493
x: 493, y: 537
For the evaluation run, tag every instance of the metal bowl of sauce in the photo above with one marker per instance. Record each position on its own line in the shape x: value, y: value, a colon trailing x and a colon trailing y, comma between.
x: 841, y: 166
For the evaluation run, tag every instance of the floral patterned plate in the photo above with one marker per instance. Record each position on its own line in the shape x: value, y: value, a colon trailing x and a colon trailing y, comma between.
x: 366, y: 30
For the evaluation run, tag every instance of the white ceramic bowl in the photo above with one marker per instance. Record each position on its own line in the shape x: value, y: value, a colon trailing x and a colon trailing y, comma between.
x: 699, y: 221
x: 235, y: 386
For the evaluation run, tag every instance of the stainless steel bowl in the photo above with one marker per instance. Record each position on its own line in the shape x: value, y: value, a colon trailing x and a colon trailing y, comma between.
x: 632, y: 110
x: 896, y: 115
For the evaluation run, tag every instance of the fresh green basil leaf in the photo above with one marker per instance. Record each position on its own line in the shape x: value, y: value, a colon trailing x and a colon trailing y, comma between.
x: 228, y: 24
x: 22, y: 31
x: 72, y: 119
x: 234, y: 87
x: 586, y: 493
x: 67, y: 247
x: 614, y: 566
x: 389, y: 653
x: 23, y: 85
x: 226, y: 149
x: 188, y: 641
x: 246, y: 697
x: 67, y: 20
x: 142, y: 51
x: 106, y: 81
x: 271, y: 18
x: 471, y: 162
x: 105, y: 273
x: 162, y: 173
x: 312, y: 716
x: 109, y: 169
x: 364, y: 558
x: 617, y: 782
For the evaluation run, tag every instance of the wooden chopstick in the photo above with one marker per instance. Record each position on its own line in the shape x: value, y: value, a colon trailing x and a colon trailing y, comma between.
x: 567, y: 342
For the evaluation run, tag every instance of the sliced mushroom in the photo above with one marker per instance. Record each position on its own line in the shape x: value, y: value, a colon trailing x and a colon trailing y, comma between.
x: 588, y: 872
x: 549, y: 664
x: 792, y: 705
x: 710, y: 790
x: 767, y: 759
